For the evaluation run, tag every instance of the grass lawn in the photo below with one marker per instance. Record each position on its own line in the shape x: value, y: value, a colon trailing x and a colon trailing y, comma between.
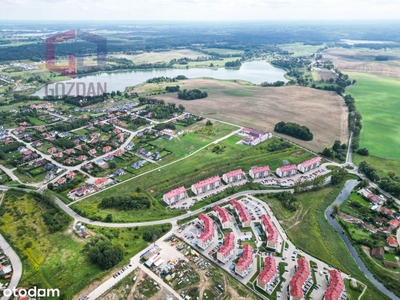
x: 36, y: 121
x: 197, y: 167
x: 58, y: 260
x: 353, y: 293
x: 81, y: 131
x: 382, y: 165
x: 378, y: 100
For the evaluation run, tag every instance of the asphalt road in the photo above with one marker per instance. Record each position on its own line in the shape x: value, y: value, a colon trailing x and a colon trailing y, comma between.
x: 15, y: 262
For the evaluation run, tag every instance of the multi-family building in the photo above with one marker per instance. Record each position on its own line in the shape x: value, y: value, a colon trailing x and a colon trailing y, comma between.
x: 336, y: 289
x: 206, y: 185
x: 268, y: 276
x: 309, y: 165
x: 223, y: 217
x: 270, y: 231
x: 241, y: 211
x: 233, y: 176
x: 245, y: 263
x: 206, y: 238
x: 175, y: 195
x: 299, y: 279
x: 259, y: 172
x: 227, y: 250
x: 286, y: 171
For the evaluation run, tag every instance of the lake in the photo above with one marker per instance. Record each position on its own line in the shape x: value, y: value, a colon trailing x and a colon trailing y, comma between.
x: 254, y: 71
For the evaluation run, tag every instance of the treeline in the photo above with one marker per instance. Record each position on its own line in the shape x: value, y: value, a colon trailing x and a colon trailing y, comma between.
x: 17, y: 98
x: 163, y: 112
x: 172, y: 89
x: 64, y: 143
x: 161, y: 79
x: 191, y: 94
x: 103, y: 253
x: 276, y: 83
x: 79, y: 100
x: 288, y: 200
x: 154, y: 233
x: 339, y: 151
x: 233, y: 64
x: 354, y: 121
x: 186, y: 60
x: 294, y: 130
x: 162, y: 126
x: 391, y: 184
x: 369, y: 171
x: 128, y: 202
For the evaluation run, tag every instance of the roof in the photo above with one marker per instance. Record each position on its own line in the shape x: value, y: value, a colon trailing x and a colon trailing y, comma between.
x: 175, y: 192
x: 229, y: 244
x: 336, y: 286
x: 234, y: 173
x: 247, y: 257
x: 310, y: 161
x: 373, y: 198
x: 223, y: 214
x: 206, y: 182
x: 100, y: 181
x: 298, y: 279
x: 288, y: 168
x: 256, y: 170
x: 394, y: 223
x: 269, y: 226
x: 208, y: 232
x: 387, y: 211
x: 269, y: 270
x: 377, y: 251
x: 243, y: 214
x: 392, y: 241
x: 391, y: 264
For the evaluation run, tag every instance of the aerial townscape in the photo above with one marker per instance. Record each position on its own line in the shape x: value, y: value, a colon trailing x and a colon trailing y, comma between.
x: 199, y: 150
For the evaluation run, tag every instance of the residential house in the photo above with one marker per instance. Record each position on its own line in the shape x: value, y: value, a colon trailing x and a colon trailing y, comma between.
x: 95, y: 135
x: 386, y: 211
x: 36, y: 143
x: 245, y: 263
x: 71, y: 175
x: 52, y: 150
x: 92, y: 151
x: 233, y: 176
x: 116, y: 130
x: 119, y: 152
x: 58, y: 155
x: 394, y: 224
x: 81, y: 191
x: 227, y: 250
x: 107, y: 149
x: 241, y: 211
x: 206, y: 185
x: 129, y: 146
x: 60, y: 181
x: 297, y: 289
x: 270, y: 231
x: 378, y: 253
x: 268, y: 276
x: 156, y: 156
x: 223, y: 217
x: 99, y: 183
x: 168, y: 137
x: 309, y: 165
x: 391, y: 264
x: 259, y: 172
x: 138, y: 164
x: 286, y: 171
x: 82, y: 157
x: 336, y: 289
x: 392, y: 242
x: 206, y: 238
x: 69, y: 161
x: 119, y: 172
x: 175, y: 195
x: 70, y: 151
x: 120, y: 137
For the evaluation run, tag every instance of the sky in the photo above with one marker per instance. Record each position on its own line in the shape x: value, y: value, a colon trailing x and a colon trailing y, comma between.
x: 160, y: 10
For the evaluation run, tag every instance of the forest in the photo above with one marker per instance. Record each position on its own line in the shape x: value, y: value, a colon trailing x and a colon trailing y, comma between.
x: 191, y: 94
x: 294, y: 130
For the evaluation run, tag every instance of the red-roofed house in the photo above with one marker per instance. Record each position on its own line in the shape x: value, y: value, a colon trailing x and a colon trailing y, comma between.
x: 259, y: 172
x: 95, y: 134
x: 107, y: 149
x: 100, y: 182
x: 69, y: 160
x: 119, y: 152
x: 70, y: 151
x: 392, y: 242
x: 241, y: 212
x: 233, y: 176
x: 268, y: 276
x: 286, y: 171
x: 299, y: 279
x: 310, y: 164
x: 60, y: 181
x: 394, y: 224
x: 207, y: 237
x: 270, y: 231
x: 387, y: 211
x: 59, y: 155
x: 116, y: 130
x: 245, y: 263
x: 175, y: 195
x: 92, y: 151
x: 120, y: 137
x: 374, y: 199
x: 82, y: 157
x: 223, y: 217
x: 52, y: 150
x: 71, y: 175
x: 206, y: 185
x: 336, y: 287
x: 227, y: 250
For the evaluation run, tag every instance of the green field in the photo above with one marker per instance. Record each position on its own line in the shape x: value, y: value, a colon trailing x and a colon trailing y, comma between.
x: 58, y: 260
x: 205, y: 64
x: 197, y: 167
x: 383, y: 165
x: 378, y: 100
x: 224, y: 51
x: 299, y: 49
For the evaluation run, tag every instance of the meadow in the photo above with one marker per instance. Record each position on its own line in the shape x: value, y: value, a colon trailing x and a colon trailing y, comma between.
x: 378, y: 100
x: 223, y: 51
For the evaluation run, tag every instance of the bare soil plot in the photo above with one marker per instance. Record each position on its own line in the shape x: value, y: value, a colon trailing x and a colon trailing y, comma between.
x: 346, y: 60
x: 262, y: 107
x: 326, y: 75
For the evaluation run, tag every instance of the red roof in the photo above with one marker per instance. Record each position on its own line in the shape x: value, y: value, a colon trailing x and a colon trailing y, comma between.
x: 269, y: 270
x: 175, y: 192
x: 107, y: 148
x: 247, y: 257
x: 271, y: 230
x: 208, y: 232
x: 387, y: 211
x: 335, y: 288
x: 229, y: 244
x: 256, y: 170
x: 311, y: 161
x: 298, y: 279
x: 288, y: 168
x: 234, y: 173
x: 206, y: 182
x: 373, y: 198
x: 61, y: 180
x: 394, y: 223
x: 119, y: 152
x: 392, y: 241
x: 100, y: 181
x: 223, y: 214
x: 243, y: 214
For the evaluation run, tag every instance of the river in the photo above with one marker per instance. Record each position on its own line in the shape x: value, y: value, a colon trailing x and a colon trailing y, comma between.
x: 344, y: 194
x: 253, y: 71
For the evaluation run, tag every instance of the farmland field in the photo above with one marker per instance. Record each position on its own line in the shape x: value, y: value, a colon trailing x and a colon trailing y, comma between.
x: 224, y: 51
x: 378, y: 100
x: 262, y: 107
x: 382, y: 165
x: 199, y: 166
x: 299, y: 49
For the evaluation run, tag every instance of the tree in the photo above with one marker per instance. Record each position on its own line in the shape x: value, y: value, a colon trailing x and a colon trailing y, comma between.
x: 336, y: 146
x: 209, y: 123
x: 181, y: 107
x: 363, y: 151
x: 108, y: 218
x: 327, y: 153
x: 336, y: 209
x: 103, y: 253
x: 112, y: 165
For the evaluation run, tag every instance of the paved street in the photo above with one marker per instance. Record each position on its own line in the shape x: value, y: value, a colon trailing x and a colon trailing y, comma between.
x: 15, y: 262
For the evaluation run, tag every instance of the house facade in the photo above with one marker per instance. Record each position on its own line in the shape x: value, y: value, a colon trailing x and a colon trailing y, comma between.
x: 227, y: 250
x: 241, y: 211
x: 259, y: 172
x: 286, y: 171
x: 245, y: 263
x: 206, y: 238
x: 233, y: 176
x: 309, y: 165
x: 206, y: 185
x: 175, y: 195
x: 223, y: 217
x: 268, y: 276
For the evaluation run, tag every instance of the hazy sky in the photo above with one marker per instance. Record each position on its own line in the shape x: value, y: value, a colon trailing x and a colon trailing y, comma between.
x: 198, y: 9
